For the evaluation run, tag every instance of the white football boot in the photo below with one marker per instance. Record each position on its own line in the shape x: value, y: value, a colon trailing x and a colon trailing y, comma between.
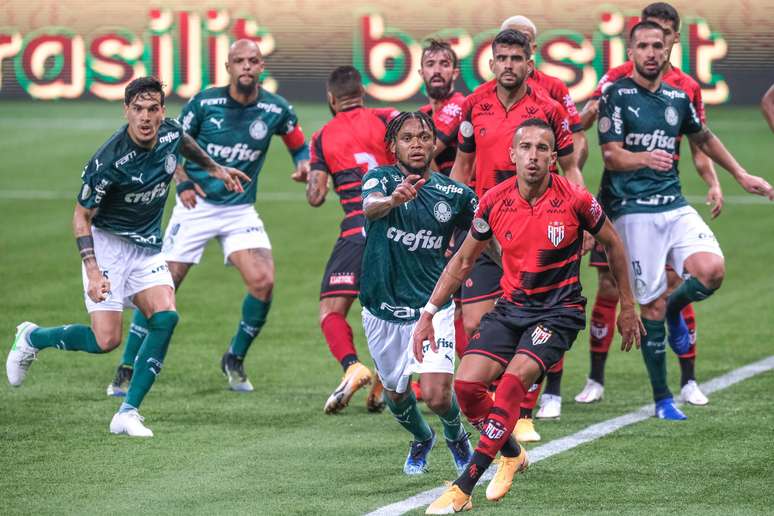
x: 690, y: 393
x: 550, y: 407
x: 592, y: 391
x: 129, y: 423
x: 22, y: 354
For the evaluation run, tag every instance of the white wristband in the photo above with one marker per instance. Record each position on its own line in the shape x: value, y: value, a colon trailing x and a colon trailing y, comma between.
x: 431, y: 308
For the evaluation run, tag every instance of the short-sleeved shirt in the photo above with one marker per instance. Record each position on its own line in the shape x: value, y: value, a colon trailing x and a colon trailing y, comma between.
x: 674, y: 77
x: 487, y: 129
x: 643, y: 121
x: 404, y: 251
x: 347, y: 147
x: 238, y: 136
x: 541, y: 243
x: 447, y: 123
x: 128, y: 184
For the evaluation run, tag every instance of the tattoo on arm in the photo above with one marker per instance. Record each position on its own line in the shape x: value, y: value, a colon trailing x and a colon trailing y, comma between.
x: 316, y: 187
x: 702, y: 136
x: 191, y: 151
x: 86, y: 248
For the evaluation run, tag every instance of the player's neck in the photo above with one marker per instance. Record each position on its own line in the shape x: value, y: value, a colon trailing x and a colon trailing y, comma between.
x: 347, y: 104
x: 406, y: 172
x: 532, y: 192
x: 143, y: 145
x: 241, y: 97
x: 437, y: 104
x: 648, y: 84
x: 510, y: 97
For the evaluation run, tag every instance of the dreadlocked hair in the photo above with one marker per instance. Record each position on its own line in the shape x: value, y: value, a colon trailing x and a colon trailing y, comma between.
x: 396, y: 123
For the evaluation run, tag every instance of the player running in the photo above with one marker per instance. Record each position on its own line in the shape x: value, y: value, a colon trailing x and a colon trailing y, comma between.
x: 345, y: 148
x: 539, y: 219
x: 234, y: 124
x: 640, y: 121
x: 411, y: 212
x: 603, y: 313
x: 117, y: 227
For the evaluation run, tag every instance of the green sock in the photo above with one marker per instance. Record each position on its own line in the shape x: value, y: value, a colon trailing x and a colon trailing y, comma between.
x: 452, y: 426
x: 691, y: 290
x: 151, y: 356
x: 70, y: 337
x: 254, y: 312
x: 407, y: 413
x: 138, y: 330
x: 654, y: 353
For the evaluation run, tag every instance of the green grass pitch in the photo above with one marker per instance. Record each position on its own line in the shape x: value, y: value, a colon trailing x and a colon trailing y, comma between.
x: 274, y: 451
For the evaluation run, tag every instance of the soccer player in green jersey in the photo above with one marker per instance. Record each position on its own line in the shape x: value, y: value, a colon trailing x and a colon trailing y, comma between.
x: 411, y: 212
x: 234, y: 124
x: 640, y: 120
x: 117, y: 226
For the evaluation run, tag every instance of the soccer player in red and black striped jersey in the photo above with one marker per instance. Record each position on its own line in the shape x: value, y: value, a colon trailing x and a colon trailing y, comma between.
x: 344, y: 149
x: 603, y: 313
x: 538, y: 218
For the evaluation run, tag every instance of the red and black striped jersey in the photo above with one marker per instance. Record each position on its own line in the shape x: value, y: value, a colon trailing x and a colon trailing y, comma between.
x: 487, y: 129
x: 447, y: 122
x: 347, y: 147
x: 541, y: 243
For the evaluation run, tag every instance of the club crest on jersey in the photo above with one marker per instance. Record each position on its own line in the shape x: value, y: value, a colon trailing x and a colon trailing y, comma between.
x: 442, y: 211
x: 540, y: 335
x: 258, y: 129
x: 371, y: 183
x: 556, y: 233
x: 170, y: 163
x: 670, y: 114
x: 604, y: 124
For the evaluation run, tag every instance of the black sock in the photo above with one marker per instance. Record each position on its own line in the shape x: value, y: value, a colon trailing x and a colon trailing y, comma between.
x: 474, y: 470
x: 687, y: 370
x: 525, y: 413
x: 553, y: 384
x: 598, y: 366
x: 348, y: 361
x: 511, y: 448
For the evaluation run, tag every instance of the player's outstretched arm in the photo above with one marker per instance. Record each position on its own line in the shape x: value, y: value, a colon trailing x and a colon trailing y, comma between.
x: 453, y: 275
x: 377, y: 205
x: 629, y: 324
x: 618, y: 159
x: 99, y: 285
x: 316, y: 187
x: 187, y: 189
x: 231, y: 177
x: 714, y: 148
x: 462, y: 170
x: 767, y: 106
x: 706, y: 170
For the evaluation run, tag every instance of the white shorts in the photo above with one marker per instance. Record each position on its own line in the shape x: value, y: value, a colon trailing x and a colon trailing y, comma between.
x: 391, y: 347
x: 130, y: 269
x: 188, y: 231
x: 654, y: 240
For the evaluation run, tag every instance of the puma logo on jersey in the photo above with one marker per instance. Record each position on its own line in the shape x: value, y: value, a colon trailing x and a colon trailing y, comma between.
x: 635, y: 111
x: 137, y: 179
x: 97, y: 165
x: 216, y: 121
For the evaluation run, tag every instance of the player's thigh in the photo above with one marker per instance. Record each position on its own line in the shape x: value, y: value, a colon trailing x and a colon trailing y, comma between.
x: 149, y: 285
x: 335, y: 305
x: 441, y: 360
x: 388, y: 344
x: 159, y: 298
x: 479, y: 368
x: 473, y: 312
x: 188, y: 232
x: 179, y: 271
x: 543, y: 344
x: 256, y: 267
x: 242, y: 230
x: 494, y: 345
x: 115, y: 259
x: 107, y: 326
x: 647, y: 241
x: 695, y: 249
x: 342, y: 272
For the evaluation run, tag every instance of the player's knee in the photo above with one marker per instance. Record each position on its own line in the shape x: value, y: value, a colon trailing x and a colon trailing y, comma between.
x: 712, y: 276
x: 607, y: 287
x: 108, y: 341
x: 655, y: 310
x: 436, y: 397
x: 260, y: 285
x: 469, y: 394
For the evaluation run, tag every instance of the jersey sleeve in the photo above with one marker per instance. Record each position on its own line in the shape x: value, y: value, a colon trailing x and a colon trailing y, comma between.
x: 317, y: 157
x: 698, y: 103
x: 468, y: 210
x: 589, y: 211
x: 606, y: 81
x: 386, y: 114
x: 374, y: 182
x: 447, y: 122
x: 293, y: 136
x: 96, y: 183
x: 610, y: 125
x: 466, y: 141
x: 691, y: 122
x: 560, y: 123
x: 480, y: 227
x: 190, y: 118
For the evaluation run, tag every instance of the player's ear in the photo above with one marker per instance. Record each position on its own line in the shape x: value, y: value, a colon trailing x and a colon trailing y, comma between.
x: 629, y: 53
x: 491, y: 65
x: 512, y: 152
x: 331, y: 100
x: 456, y: 73
x: 552, y: 160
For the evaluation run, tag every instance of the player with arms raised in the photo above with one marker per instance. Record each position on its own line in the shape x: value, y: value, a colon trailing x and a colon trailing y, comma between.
x: 345, y: 149
x: 411, y: 213
x: 234, y: 124
x: 640, y: 121
x: 539, y: 219
x: 117, y: 226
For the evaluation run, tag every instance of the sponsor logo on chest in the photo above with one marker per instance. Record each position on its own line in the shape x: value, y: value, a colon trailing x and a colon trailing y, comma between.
x: 169, y: 137
x: 423, y: 239
x: 158, y: 191
x: 658, y: 139
x: 238, y: 152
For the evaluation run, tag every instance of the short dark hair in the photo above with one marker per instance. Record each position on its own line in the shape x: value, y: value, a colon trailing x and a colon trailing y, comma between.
x: 396, y: 123
x: 143, y: 85
x: 345, y: 81
x: 644, y: 25
x: 513, y: 38
x: 541, y: 124
x: 436, y: 45
x: 662, y: 11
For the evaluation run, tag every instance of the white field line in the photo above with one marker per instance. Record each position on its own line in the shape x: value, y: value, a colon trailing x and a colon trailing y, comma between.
x: 589, y: 434
x: 36, y: 195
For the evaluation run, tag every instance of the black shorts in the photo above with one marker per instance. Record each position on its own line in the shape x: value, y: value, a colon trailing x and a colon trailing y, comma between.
x: 342, y: 274
x: 483, y: 282
x: 542, y: 335
x: 597, y: 256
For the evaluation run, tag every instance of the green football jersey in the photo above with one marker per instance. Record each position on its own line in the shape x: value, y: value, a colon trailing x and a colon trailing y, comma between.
x: 404, y: 250
x: 234, y: 135
x: 643, y: 121
x: 129, y: 184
